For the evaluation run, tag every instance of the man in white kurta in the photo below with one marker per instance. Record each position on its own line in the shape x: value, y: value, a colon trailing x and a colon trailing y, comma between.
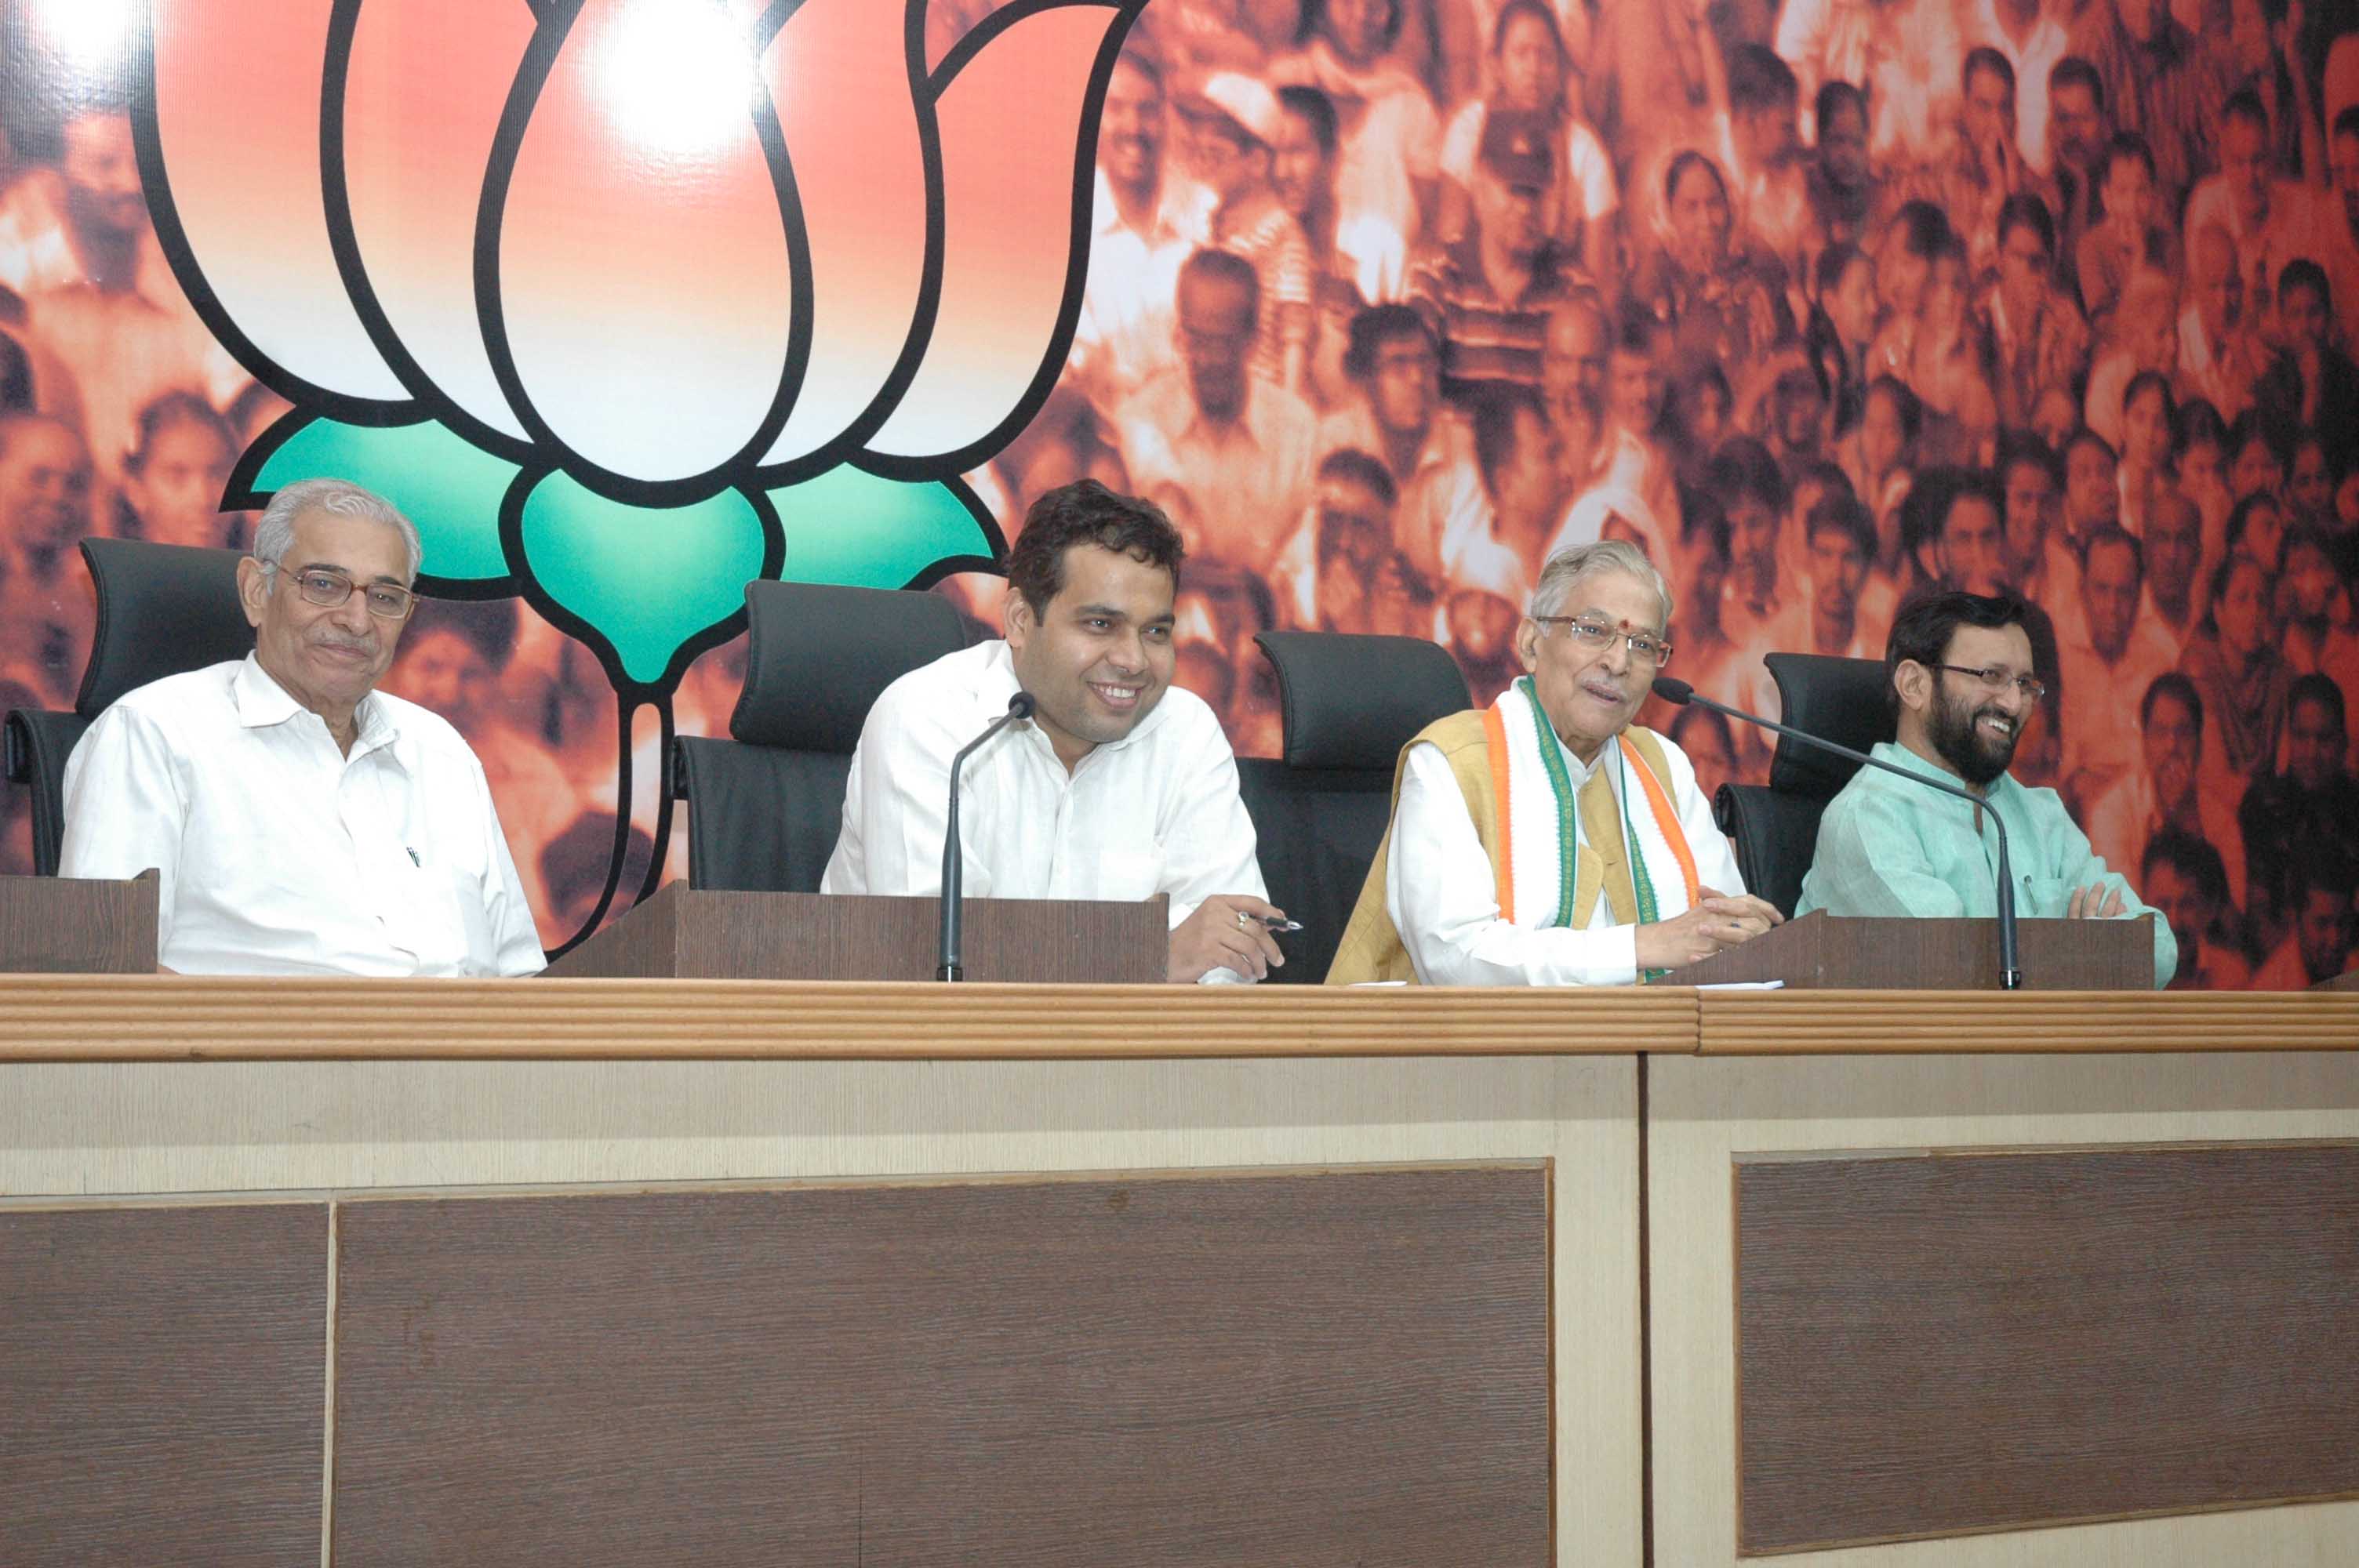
x: 1120, y: 787
x: 1444, y: 899
x: 1546, y: 840
x: 301, y: 822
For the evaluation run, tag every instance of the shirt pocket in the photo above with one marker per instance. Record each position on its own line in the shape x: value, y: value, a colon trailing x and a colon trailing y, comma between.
x: 2042, y: 898
x: 435, y: 913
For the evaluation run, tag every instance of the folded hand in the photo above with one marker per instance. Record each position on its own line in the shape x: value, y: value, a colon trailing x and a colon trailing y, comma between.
x: 1718, y: 921
x: 2095, y: 901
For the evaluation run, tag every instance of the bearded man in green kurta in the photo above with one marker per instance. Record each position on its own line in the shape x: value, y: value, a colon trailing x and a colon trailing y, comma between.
x: 1961, y: 677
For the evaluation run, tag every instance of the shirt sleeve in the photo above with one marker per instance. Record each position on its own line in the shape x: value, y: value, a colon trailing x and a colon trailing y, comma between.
x: 2209, y: 205
x: 1800, y: 41
x: 1209, y: 845
x: 1460, y: 141
x: 1208, y: 839
x: 895, y: 808
x: 16, y: 249
x: 2079, y: 866
x: 1419, y: 130
x: 1593, y: 172
x: 1871, y: 861
x: 1445, y: 903
x: 126, y: 809
x: 1462, y: 508
x: 516, y: 941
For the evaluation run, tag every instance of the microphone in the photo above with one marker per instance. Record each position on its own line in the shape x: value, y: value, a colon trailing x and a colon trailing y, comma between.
x: 1020, y: 706
x: 1678, y: 693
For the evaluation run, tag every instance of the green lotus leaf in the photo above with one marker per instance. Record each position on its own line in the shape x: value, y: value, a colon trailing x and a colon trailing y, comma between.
x: 851, y: 528
x: 450, y: 489
x: 647, y: 582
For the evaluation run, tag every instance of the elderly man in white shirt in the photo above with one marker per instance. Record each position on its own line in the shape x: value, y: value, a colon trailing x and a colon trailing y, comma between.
x: 301, y: 822
x: 1118, y: 787
x: 1547, y: 840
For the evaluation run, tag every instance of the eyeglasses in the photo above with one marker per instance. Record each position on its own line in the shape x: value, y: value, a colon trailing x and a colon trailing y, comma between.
x: 1996, y: 679
x: 328, y: 587
x: 1645, y: 648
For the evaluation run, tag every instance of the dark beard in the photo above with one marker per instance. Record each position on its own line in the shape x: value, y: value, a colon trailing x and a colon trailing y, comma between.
x: 1951, y: 730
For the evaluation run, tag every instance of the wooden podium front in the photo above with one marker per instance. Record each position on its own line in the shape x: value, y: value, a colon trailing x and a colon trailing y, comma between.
x: 1821, y: 951
x: 689, y: 934
x: 73, y: 926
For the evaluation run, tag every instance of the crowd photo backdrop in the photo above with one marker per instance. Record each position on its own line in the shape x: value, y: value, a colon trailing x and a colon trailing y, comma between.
x: 629, y: 302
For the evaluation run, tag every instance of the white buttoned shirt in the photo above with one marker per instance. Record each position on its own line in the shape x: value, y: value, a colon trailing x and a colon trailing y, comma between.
x: 1155, y: 812
x: 280, y: 854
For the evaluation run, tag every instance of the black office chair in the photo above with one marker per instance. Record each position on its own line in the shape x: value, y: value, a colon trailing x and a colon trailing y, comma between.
x: 764, y: 807
x: 1775, y: 828
x: 162, y: 609
x: 1348, y: 705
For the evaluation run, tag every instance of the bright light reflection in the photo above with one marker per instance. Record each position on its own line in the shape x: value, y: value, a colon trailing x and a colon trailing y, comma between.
x: 678, y: 77
x: 87, y: 36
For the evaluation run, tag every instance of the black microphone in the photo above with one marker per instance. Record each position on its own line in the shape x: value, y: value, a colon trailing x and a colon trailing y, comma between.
x: 1678, y: 693
x: 953, y: 864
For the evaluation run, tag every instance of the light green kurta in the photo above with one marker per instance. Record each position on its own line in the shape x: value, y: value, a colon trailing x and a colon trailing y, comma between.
x: 1889, y: 847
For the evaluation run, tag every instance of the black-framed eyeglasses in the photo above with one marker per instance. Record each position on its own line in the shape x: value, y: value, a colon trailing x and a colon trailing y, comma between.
x: 328, y: 587
x: 1645, y: 648
x: 1996, y: 679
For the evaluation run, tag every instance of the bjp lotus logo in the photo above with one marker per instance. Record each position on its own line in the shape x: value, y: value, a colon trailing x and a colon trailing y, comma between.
x: 629, y: 301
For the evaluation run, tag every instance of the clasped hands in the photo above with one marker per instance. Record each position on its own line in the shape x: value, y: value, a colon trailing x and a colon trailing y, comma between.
x: 1717, y: 921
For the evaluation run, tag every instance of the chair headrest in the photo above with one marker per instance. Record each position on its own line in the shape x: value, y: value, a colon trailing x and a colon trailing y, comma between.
x: 1847, y: 701
x: 1352, y: 701
x: 821, y: 656
x: 162, y: 609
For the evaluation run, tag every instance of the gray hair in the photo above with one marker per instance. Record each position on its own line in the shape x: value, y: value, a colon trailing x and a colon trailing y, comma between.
x: 275, y: 534
x: 1569, y: 567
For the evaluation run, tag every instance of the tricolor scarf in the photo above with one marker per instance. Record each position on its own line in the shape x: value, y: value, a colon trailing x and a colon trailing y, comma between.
x: 1561, y: 850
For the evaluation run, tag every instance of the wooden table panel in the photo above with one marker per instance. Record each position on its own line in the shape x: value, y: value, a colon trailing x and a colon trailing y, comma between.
x: 1708, y: 1118
x: 161, y: 1378
x: 1334, y: 1368
x: 1935, y: 1343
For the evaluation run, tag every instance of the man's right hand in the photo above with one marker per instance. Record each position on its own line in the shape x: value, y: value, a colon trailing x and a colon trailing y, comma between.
x: 1717, y: 921
x: 1215, y: 938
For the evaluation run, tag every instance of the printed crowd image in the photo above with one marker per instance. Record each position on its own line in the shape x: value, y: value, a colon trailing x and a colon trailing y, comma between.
x: 1820, y: 305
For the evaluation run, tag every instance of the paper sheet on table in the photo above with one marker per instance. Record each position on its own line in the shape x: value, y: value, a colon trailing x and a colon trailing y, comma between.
x: 1745, y: 986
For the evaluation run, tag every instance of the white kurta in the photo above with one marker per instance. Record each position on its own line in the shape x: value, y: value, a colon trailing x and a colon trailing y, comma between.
x: 279, y: 854
x: 1444, y: 901
x: 1156, y: 811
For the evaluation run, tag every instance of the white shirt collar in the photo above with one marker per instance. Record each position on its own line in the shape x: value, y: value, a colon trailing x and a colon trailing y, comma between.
x: 1182, y: 210
x: 262, y: 702
x: 998, y: 683
x: 1998, y: 30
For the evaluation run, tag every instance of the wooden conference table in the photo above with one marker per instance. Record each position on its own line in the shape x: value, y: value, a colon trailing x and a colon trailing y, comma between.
x: 622, y: 1271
